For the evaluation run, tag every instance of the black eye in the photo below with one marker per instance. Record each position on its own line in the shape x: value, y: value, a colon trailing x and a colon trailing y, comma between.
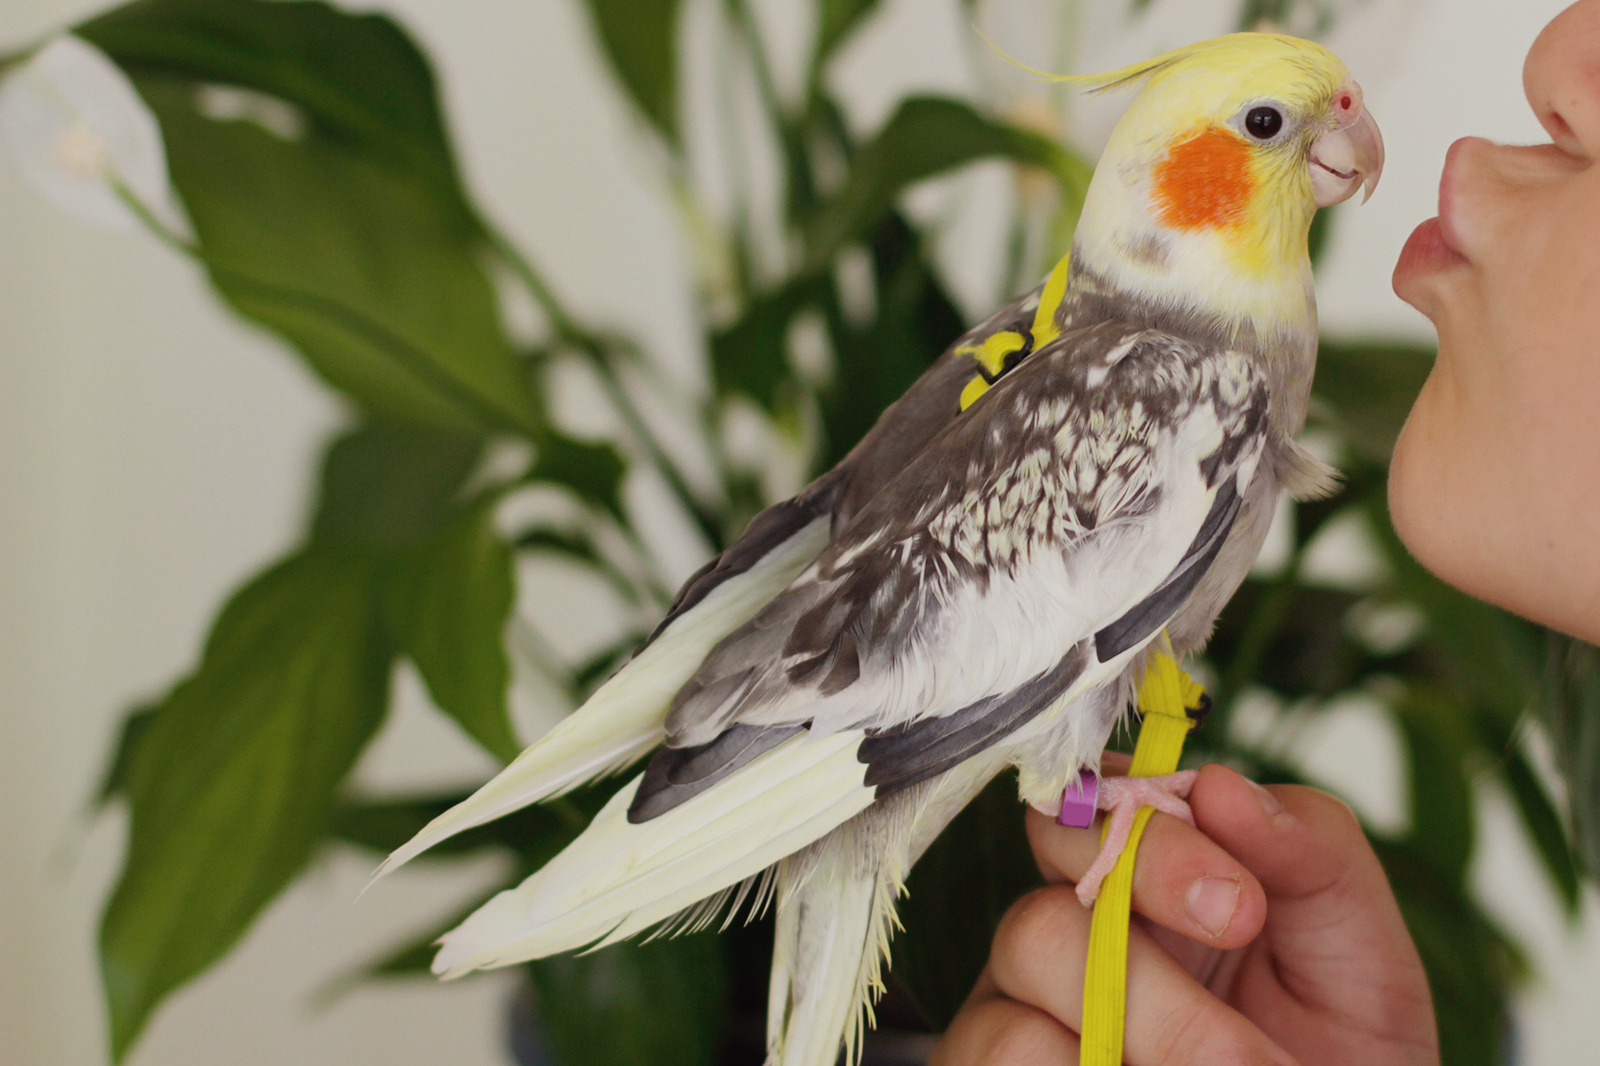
x: 1263, y: 123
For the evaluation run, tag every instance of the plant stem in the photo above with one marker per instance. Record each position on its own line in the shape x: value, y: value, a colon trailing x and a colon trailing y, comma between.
x: 594, y: 350
x: 157, y: 228
x: 796, y: 165
x: 561, y: 323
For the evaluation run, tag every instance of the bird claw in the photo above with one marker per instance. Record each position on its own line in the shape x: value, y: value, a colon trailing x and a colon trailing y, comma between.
x: 1121, y: 798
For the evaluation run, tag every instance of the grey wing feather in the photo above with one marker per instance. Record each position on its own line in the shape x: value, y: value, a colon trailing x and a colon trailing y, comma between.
x: 678, y: 773
x: 899, y: 758
x: 1152, y: 612
x: 765, y: 532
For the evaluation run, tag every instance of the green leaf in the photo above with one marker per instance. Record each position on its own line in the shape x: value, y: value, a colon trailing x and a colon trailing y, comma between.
x: 588, y: 675
x: 1438, y: 734
x: 1469, y: 961
x: 1317, y: 239
x: 956, y: 894
x: 751, y: 355
x: 384, y: 825
x: 360, y: 264
x: 231, y: 782
x: 412, y: 957
x: 1543, y: 823
x: 916, y: 321
x: 576, y: 543
x: 593, y: 471
x: 1483, y: 654
x: 659, y: 1003
x: 1252, y: 13
x: 447, y: 602
x: 115, y: 779
x: 354, y: 239
x: 1572, y: 704
x: 837, y: 20
x: 1289, y: 637
x: 580, y: 546
x: 359, y: 76
x: 640, y: 38
x: 535, y: 833
x: 391, y: 487
x: 927, y: 135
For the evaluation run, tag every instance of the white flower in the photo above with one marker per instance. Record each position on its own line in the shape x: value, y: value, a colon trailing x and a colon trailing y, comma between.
x: 76, y: 128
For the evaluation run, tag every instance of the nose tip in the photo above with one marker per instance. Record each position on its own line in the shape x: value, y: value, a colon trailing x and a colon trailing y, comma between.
x: 1559, y: 79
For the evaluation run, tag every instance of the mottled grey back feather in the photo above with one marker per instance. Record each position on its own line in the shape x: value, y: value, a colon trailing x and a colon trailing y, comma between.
x: 904, y: 429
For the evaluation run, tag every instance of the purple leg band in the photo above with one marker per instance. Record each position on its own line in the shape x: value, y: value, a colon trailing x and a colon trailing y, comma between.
x: 1077, y: 802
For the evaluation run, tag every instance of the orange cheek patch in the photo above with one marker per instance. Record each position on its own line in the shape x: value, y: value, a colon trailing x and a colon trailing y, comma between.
x: 1205, y: 182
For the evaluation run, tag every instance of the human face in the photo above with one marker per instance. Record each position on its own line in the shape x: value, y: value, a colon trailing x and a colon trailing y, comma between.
x: 1495, y: 484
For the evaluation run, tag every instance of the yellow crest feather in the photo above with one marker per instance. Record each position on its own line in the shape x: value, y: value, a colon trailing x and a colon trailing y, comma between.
x: 1214, y: 50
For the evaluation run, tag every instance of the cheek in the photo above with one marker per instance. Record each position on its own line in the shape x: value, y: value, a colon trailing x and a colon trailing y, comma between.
x: 1205, y: 182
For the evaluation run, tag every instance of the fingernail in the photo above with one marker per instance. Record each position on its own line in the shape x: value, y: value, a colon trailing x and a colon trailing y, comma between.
x: 1212, y: 901
x: 1269, y: 802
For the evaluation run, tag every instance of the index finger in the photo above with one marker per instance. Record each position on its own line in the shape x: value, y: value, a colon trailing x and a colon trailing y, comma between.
x: 1182, y: 880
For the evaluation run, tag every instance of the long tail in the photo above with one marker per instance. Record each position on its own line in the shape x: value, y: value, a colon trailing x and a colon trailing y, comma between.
x: 836, y: 914
x: 623, y: 720
x: 831, y: 944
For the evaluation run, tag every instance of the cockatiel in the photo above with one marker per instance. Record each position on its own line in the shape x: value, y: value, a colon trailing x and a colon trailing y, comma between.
x: 1084, y: 477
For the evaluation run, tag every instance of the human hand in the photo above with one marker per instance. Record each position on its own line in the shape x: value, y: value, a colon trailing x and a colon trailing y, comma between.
x: 1269, y: 934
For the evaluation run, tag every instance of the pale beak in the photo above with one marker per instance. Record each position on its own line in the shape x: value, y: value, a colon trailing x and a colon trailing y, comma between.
x: 1350, y: 154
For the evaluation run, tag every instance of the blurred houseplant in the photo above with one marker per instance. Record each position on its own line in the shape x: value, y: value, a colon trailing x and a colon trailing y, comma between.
x: 316, y: 177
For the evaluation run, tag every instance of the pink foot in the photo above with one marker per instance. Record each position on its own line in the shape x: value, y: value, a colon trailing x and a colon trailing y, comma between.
x: 1122, y: 797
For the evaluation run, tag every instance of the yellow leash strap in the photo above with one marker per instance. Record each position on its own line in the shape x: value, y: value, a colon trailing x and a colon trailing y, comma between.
x: 1165, y: 696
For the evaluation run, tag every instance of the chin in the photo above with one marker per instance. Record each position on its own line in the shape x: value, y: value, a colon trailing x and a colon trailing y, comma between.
x: 1430, y: 502
x: 1475, y: 535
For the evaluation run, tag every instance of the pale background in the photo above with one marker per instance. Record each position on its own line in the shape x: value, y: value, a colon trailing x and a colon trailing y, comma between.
x: 154, y: 451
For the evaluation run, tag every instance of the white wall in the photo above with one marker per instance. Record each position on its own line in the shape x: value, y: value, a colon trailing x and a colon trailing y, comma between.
x: 154, y: 451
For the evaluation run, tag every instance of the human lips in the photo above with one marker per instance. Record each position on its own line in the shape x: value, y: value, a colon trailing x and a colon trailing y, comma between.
x: 1457, y: 164
x: 1426, y: 252
x: 1435, y: 245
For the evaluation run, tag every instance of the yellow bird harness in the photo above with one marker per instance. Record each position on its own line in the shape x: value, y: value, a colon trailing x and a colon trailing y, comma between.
x: 1166, y: 697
